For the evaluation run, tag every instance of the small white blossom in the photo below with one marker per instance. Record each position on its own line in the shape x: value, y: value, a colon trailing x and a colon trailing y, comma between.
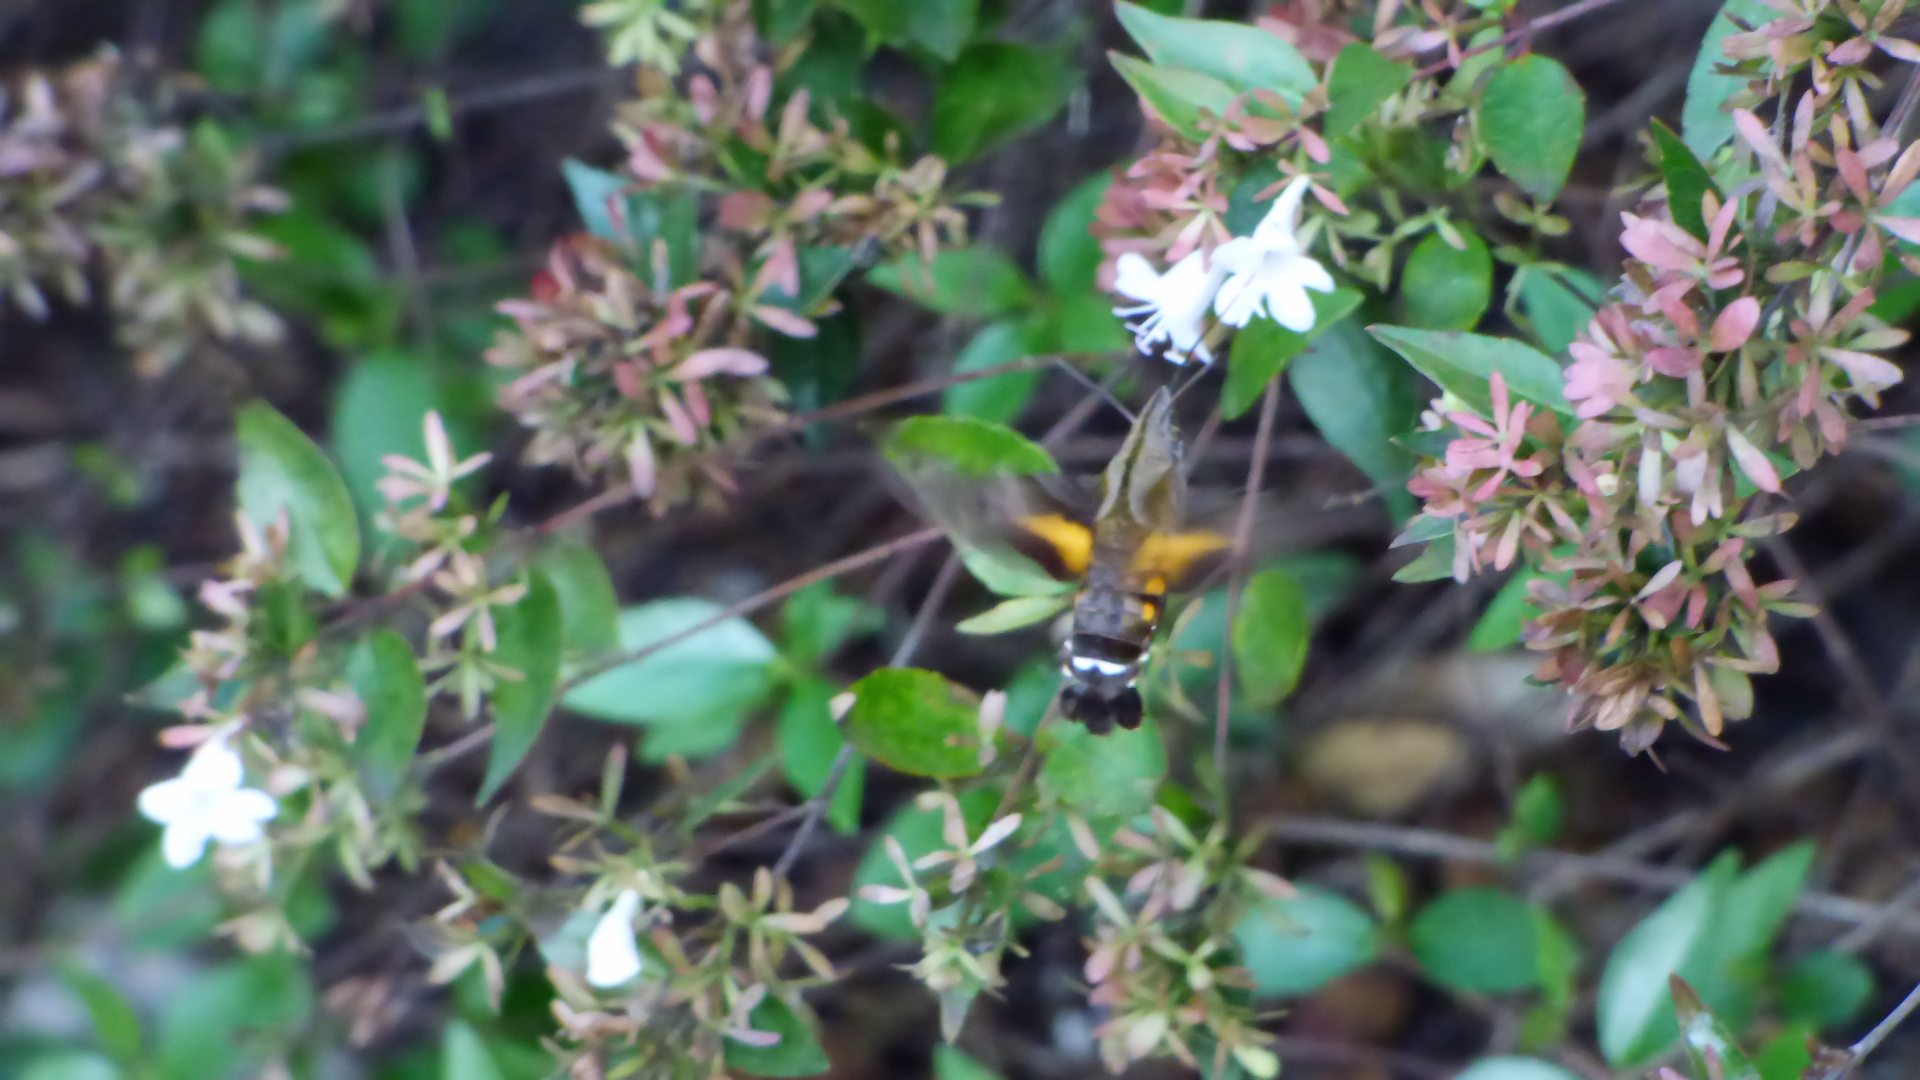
x: 206, y: 802
x: 613, y: 954
x: 1172, y: 305
x: 1270, y: 273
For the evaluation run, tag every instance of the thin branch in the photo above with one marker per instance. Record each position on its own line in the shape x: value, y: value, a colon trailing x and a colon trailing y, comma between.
x: 458, y: 748
x: 1878, y: 1035
x: 1885, y: 423
x: 1242, y: 540
x: 1535, y: 26
x: 879, y: 399
x: 1432, y: 844
x: 757, y: 601
x: 816, y: 807
x: 400, y: 121
x: 1853, y: 672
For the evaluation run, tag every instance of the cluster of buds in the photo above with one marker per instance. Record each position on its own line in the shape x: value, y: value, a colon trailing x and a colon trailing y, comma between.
x: 637, y: 357
x: 269, y: 700
x: 425, y: 508
x: 1737, y: 340
x: 1161, y: 960
x: 97, y: 190
x: 960, y: 897
x: 667, y: 978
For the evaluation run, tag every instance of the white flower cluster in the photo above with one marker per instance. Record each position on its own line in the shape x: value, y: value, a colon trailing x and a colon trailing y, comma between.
x: 1267, y: 273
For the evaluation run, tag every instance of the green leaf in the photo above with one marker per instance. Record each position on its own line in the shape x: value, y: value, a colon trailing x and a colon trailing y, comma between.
x: 1179, y: 96
x: 69, y: 1065
x: 1360, y: 399
x: 635, y: 219
x: 1537, y: 816
x: 1531, y: 117
x: 1499, y: 626
x: 951, y: 1064
x: 1759, y: 903
x: 815, y: 621
x: 1476, y: 939
x: 694, y: 693
x: 281, y: 470
x: 596, y: 192
x: 113, y: 1016
x: 915, y: 722
x: 939, y: 26
x: 1294, y: 947
x: 1243, y: 57
x: 1001, y: 398
x: 1462, y: 363
x: 821, y: 271
x: 1104, y: 776
x: 379, y: 410
x: 1515, y: 1068
x: 1015, y: 614
x: 1825, y: 989
x: 1633, y: 1009
x: 979, y: 282
x: 1557, y: 313
x: 1362, y: 80
x: 1704, y: 121
x: 1070, y: 255
x: 809, y: 741
x: 1271, y: 629
x: 798, y: 1053
x: 1447, y: 288
x: 221, y: 1019
x: 530, y: 643
x: 464, y: 1054
x: 1010, y: 574
x: 994, y: 92
x: 1263, y: 349
x: 1434, y: 563
x: 1083, y: 323
x: 1785, y: 1057
x: 1687, y: 180
x: 1707, y: 1039
x: 975, y: 448
x: 589, y: 609
x: 386, y: 677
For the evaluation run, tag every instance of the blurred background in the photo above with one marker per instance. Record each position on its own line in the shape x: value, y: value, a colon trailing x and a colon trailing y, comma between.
x: 419, y: 144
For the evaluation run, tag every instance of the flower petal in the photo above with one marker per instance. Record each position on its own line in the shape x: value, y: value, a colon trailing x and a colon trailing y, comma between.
x: 183, y: 843
x: 613, y: 954
x: 1752, y: 461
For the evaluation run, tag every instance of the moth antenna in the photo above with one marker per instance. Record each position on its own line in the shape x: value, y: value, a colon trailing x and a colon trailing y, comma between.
x: 1081, y: 377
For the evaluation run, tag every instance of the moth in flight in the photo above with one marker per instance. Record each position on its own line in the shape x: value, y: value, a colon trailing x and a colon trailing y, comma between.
x: 1126, y: 559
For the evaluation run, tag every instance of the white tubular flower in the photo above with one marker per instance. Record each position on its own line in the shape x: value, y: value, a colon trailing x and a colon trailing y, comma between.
x: 1172, y: 305
x: 613, y: 954
x: 1269, y: 273
x: 206, y: 802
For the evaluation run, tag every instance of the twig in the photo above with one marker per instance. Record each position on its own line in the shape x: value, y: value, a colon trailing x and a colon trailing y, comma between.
x: 1885, y: 423
x: 1242, y: 539
x: 1430, y: 844
x: 879, y: 399
x: 756, y: 602
x: 458, y: 748
x: 1878, y: 1035
x: 1853, y: 671
x: 816, y: 807
x: 1544, y: 22
x: 406, y: 119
